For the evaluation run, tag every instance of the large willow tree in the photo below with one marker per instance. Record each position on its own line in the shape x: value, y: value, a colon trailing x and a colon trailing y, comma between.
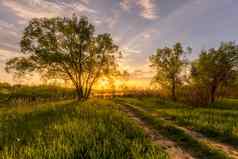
x: 67, y: 48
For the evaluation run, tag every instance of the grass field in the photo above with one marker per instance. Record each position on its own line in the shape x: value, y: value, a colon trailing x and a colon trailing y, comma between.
x: 196, y: 148
x: 101, y: 129
x: 23, y: 94
x: 218, y: 121
x: 93, y: 129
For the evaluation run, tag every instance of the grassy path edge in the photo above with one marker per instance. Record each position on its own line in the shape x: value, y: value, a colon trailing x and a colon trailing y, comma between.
x: 186, y: 141
x: 171, y: 148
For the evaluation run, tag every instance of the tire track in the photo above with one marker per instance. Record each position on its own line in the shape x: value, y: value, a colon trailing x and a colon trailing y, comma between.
x: 173, y: 150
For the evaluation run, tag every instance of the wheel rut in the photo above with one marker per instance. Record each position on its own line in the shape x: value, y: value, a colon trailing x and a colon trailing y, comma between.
x: 173, y: 150
x: 227, y: 149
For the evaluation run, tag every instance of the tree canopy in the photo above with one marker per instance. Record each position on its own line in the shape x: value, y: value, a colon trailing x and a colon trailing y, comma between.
x: 67, y: 48
x: 168, y: 63
x: 216, y: 68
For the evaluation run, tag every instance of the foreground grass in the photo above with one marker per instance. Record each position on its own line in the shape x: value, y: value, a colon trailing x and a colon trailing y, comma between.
x: 218, y: 121
x: 227, y: 103
x: 94, y: 129
x: 187, y: 142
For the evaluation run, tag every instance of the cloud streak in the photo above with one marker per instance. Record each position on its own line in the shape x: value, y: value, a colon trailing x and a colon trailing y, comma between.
x: 148, y: 8
x: 125, y: 4
x: 31, y: 9
x: 28, y: 9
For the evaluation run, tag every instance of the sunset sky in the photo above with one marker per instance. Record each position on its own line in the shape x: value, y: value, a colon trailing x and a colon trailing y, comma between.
x: 137, y: 26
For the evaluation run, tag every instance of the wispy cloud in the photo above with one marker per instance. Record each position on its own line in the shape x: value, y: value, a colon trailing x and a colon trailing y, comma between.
x: 5, y: 54
x: 128, y: 51
x: 112, y: 20
x: 77, y: 7
x: 85, y: 1
x: 4, y: 25
x: 148, y: 8
x: 28, y: 9
x: 125, y: 4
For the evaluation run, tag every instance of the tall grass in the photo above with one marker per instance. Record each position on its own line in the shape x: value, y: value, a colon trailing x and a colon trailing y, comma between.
x: 22, y: 94
x: 219, y: 121
x: 220, y: 124
x: 196, y: 148
x: 94, y: 129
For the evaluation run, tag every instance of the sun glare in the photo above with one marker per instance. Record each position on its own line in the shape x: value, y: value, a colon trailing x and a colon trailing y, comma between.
x: 102, y: 84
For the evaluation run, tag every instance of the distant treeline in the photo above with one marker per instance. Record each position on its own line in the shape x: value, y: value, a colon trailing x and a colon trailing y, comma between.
x: 23, y: 94
x: 13, y: 94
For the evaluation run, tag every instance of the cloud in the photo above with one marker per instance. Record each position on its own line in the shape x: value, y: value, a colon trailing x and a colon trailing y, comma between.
x: 4, y: 24
x: 143, y: 39
x: 98, y: 21
x: 9, y: 28
x: 113, y: 20
x: 9, y: 46
x: 146, y: 36
x: 77, y: 7
x: 85, y: 1
x: 148, y: 8
x: 32, y: 9
x: 9, y: 34
x: 128, y: 50
x: 28, y: 9
x: 125, y: 4
x: 6, y: 54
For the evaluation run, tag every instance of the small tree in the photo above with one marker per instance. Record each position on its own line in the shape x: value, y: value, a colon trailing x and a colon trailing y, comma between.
x: 216, y: 68
x: 66, y: 48
x: 168, y: 63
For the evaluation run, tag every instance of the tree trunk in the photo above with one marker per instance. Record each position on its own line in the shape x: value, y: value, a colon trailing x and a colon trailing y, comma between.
x: 79, y: 94
x: 88, y: 94
x: 213, y: 93
x: 173, y: 90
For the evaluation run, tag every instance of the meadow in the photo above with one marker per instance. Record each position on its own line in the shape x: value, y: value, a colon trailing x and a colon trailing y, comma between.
x: 218, y: 120
x: 23, y: 94
x: 92, y: 129
x: 55, y: 125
